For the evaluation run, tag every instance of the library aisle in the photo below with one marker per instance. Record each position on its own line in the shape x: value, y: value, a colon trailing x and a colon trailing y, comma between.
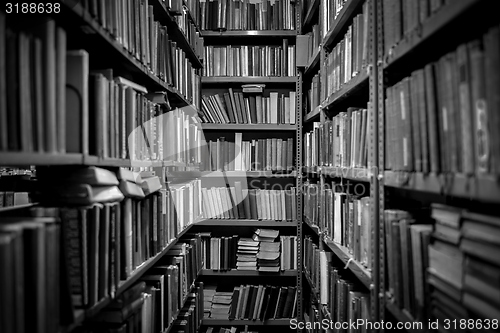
x: 227, y: 166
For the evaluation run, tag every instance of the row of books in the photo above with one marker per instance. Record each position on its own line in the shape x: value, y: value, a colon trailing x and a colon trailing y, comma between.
x: 342, y: 141
x: 255, y: 155
x: 344, y: 300
x: 234, y: 107
x: 188, y: 28
x: 132, y: 24
x: 351, y: 55
x: 256, y: 204
x: 247, y: 15
x: 343, y: 218
x: 45, y: 112
x: 11, y: 198
x: 403, y: 17
x: 252, y: 302
x: 444, y: 117
x: 331, y: 9
x: 457, y: 256
x: 245, y: 60
x: 313, y: 97
x: 159, y: 299
x: 314, y: 41
x: 189, y: 318
x: 194, y: 7
x: 186, y: 199
x: 247, y: 253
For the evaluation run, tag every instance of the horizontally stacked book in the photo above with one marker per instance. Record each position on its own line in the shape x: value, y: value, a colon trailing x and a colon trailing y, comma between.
x: 450, y: 263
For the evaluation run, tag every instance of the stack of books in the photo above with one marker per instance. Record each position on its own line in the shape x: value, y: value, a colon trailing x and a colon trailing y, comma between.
x: 248, y: 250
x: 221, y: 303
x: 268, y: 257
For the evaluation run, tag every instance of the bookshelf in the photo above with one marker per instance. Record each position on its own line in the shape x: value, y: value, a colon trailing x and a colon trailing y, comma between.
x: 253, y: 132
x: 122, y: 55
x: 455, y: 187
x: 341, y: 88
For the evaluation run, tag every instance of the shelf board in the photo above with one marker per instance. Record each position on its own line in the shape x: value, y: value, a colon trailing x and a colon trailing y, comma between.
x: 313, y: 62
x: 313, y: 116
x: 235, y: 273
x: 126, y: 163
x: 248, y: 127
x: 354, y: 85
x: 230, y: 174
x: 344, y: 16
x: 248, y: 79
x: 361, y: 174
x: 162, y: 15
x: 401, y: 315
x: 139, y: 271
x: 427, y: 29
x: 311, y: 12
x: 16, y: 207
x: 311, y: 170
x: 244, y: 223
x: 99, y: 39
x: 22, y: 159
x: 361, y: 272
x: 94, y: 310
x: 238, y: 322
x: 477, y: 188
x: 314, y: 290
x: 250, y: 33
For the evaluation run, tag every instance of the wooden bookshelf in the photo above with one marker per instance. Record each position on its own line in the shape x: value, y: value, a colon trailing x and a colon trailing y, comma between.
x: 191, y: 17
x: 236, y: 273
x: 9, y: 208
x: 433, y: 25
x: 311, y: 12
x: 360, y: 174
x: 313, y: 116
x: 250, y: 33
x: 344, y: 16
x: 172, y: 324
x: 248, y: 79
x: 239, y: 322
x: 314, y: 290
x: 477, y: 188
x: 79, y: 318
x: 347, y: 90
x: 244, y: 223
x: 247, y: 127
x: 361, y: 272
x: 126, y: 163
x: 94, y: 310
x: 163, y: 16
x: 312, y: 66
x: 25, y: 159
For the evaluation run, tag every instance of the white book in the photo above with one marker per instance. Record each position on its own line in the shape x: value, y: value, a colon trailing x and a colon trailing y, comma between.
x: 292, y: 107
x: 238, y: 161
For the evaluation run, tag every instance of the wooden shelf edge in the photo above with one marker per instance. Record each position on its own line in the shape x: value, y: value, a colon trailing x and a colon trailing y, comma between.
x: 310, y: 13
x: 239, y: 322
x: 485, y: 188
x: 235, y: 273
x: 244, y: 223
x: 250, y: 33
x: 230, y: 174
x: 248, y: 79
x: 350, y: 87
x: 361, y: 272
x: 249, y: 127
x: 343, y: 17
x: 427, y: 29
x: 24, y: 158
x: 360, y: 174
x: 314, y: 61
x: 312, y: 116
